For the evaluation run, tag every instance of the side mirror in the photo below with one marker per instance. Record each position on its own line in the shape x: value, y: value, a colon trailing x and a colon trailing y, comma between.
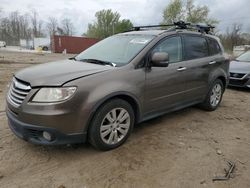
x: 160, y: 59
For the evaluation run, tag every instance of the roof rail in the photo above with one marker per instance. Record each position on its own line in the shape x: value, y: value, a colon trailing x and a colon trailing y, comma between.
x: 202, y: 28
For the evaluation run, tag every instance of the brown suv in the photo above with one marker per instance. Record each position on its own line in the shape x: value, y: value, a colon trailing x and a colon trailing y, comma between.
x: 125, y: 79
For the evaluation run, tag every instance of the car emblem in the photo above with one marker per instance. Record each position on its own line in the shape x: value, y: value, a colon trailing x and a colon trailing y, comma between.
x: 16, y: 84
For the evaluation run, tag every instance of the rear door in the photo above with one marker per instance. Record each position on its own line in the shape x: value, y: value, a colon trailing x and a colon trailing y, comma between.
x: 217, y: 58
x: 197, y: 63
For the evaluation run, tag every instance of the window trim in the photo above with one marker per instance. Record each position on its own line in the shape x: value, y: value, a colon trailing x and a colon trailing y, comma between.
x: 212, y: 39
x: 161, y: 40
x: 184, y: 45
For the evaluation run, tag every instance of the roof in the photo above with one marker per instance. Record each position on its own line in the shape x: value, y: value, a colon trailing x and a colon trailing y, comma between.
x: 144, y: 32
x: 159, y: 32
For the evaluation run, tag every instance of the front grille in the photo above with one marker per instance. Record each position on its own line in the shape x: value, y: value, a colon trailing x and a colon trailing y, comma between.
x: 238, y: 82
x: 237, y: 75
x: 18, y: 91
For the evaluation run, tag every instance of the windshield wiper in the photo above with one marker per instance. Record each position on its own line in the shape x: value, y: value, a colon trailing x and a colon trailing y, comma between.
x: 100, y: 62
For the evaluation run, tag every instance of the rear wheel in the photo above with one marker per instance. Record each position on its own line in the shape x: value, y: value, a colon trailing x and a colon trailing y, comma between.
x: 111, y: 125
x: 214, y: 96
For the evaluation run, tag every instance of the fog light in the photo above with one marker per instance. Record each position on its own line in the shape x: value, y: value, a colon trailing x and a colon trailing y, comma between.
x: 47, y: 136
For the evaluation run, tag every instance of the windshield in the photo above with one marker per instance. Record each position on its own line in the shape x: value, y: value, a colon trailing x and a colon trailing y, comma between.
x: 244, y: 57
x: 118, y: 49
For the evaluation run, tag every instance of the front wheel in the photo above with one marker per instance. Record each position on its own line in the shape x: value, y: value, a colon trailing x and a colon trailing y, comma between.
x: 214, y: 96
x: 111, y: 125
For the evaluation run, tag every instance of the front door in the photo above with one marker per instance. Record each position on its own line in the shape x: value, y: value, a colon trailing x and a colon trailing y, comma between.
x: 166, y: 86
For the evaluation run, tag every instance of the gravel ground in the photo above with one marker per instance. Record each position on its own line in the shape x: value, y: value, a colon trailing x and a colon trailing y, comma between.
x: 182, y: 149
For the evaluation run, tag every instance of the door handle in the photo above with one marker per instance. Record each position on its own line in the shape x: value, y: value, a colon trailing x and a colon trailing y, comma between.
x: 182, y: 69
x: 212, y: 62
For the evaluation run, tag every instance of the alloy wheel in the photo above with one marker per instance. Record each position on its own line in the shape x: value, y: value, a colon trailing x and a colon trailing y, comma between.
x: 216, y: 95
x: 115, y: 126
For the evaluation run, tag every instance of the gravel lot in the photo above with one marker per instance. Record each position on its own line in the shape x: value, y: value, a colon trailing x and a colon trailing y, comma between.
x: 184, y: 149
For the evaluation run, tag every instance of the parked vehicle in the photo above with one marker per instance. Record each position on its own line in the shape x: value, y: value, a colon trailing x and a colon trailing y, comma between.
x: 125, y: 79
x: 240, y: 71
x: 238, y: 50
x: 2, y: 44
x: 44, y: 47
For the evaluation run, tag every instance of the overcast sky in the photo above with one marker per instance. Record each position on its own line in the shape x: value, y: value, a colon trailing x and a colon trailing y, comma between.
x: 140, y: 12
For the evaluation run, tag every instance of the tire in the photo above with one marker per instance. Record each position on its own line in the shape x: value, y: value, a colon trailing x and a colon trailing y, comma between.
x: 45, y: 48
x: 105, y: 131
x: 214, y: 96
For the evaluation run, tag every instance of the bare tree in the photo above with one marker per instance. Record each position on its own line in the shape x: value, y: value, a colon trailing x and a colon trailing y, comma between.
x: 235, y: 34
x: 36, y: 24
x: 60, y: 31
x: 233, y: 37
x: 67, y: 27
x: 52, y: 26
x: 25, y: 31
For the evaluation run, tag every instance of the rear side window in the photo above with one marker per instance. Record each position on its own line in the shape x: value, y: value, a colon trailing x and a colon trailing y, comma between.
x: 195, y: 47
x: 214, y: 47
x: 173, y: 47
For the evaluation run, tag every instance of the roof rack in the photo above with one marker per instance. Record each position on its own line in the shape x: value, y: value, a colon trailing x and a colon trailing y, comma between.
x: 202, y: 28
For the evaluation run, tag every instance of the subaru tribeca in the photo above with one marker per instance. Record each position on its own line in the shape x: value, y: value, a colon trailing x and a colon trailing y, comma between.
x: 122, y: 80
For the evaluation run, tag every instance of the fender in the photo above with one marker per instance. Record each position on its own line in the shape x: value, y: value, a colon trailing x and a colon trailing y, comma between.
x: 114, y: 95
x: 217, y: 73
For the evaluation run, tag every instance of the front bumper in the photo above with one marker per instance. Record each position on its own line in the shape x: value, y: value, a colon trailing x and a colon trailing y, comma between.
x: 244, y: 83
x: 34, y: 134
x: 239, y: 79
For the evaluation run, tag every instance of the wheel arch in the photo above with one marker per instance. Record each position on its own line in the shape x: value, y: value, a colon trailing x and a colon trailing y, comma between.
x: 219, y: 74
x: 224, y: 81
x: 130, y: 98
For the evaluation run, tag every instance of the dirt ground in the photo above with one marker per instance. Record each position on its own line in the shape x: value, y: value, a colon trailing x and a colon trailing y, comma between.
x: 185, y: 149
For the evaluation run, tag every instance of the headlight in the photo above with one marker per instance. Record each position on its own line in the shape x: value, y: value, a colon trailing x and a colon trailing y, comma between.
x: 54, y: 94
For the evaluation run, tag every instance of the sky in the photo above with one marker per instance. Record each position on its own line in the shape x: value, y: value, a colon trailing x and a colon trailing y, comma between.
x: 140, y: 12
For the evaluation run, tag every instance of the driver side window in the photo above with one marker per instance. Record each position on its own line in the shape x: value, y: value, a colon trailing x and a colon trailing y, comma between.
x: 172, y: 46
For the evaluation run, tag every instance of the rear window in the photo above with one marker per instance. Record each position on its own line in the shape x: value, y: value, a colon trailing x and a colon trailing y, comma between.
x: 214, y: 47
x: 195, y: 47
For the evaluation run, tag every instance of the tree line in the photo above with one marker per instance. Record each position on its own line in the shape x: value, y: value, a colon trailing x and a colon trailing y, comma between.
x: 108, y: 23
x: 187, y: 11
x: 15, y: 26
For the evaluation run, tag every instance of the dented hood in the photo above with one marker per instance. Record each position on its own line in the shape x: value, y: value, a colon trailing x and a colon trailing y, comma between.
x: 59, y: 72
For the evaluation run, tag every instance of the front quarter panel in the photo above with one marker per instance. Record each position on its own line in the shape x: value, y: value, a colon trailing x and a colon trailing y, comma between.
x: 96, y: 89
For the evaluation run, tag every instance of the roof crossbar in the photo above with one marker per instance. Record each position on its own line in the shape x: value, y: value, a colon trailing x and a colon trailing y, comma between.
x: 180, y: 25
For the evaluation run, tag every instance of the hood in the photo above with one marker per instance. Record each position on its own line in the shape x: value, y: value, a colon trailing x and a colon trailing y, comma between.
x: 239, y: 67
x: 59, y: 72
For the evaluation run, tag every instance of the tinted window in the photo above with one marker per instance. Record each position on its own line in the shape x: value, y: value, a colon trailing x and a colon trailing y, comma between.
x: 195, y: 47
x: 214, y: 47
x: 173, y: 47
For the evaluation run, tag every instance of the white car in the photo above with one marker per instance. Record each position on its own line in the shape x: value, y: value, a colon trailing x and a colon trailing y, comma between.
x: 2, y: 44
